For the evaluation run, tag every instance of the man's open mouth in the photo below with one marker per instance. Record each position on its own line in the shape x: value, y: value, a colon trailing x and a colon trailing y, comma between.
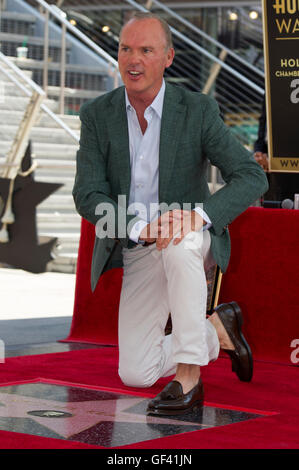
x: 134, y: 73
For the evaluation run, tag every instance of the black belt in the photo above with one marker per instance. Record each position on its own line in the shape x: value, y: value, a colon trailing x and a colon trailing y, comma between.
x: 148, y: 243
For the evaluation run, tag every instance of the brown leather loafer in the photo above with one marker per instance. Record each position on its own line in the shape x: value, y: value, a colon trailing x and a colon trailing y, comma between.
x: 231, y: 317
x: 172, y: 400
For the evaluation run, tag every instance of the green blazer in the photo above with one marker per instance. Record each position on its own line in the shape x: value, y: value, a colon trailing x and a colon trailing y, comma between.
x: 192, y: 132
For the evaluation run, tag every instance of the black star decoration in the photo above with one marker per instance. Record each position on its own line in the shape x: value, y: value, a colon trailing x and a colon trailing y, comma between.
x: 25, y: 250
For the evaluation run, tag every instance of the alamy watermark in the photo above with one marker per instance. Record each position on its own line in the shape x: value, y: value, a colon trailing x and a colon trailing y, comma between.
x: 113, y: 222
x: 2, y: 352
x: 295, y: 354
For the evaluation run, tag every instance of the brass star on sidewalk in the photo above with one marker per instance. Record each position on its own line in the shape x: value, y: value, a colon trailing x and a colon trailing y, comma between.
x: 70, y: 418
x: 98, y: 417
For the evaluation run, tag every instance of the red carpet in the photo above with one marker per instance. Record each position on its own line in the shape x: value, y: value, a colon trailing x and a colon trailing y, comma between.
x: 273, y: 389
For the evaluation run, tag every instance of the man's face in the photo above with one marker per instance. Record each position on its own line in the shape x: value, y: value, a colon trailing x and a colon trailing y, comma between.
x: 143, y: 57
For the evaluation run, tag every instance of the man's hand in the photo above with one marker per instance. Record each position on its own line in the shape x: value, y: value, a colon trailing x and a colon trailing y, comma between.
x: 180, y: 223
x: 150, y: 232
x: 172, y: 225
x: 262, y: 159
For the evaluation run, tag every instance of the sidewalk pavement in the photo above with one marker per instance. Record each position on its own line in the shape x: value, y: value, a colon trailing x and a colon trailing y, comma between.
x: 35, y: 308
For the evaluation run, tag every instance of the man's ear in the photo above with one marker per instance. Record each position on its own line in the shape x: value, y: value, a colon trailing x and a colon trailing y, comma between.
x: 170, y: 56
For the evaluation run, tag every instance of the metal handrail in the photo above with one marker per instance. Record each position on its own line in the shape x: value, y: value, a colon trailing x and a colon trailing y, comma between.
x: 207, y: 54
x: 65, y: 26
x: 208, y: 38
x: 37, y: 89
x: 57, y: 12
x: 19, y: 72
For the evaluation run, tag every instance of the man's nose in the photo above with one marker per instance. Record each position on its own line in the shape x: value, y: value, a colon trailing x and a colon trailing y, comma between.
x: 135, y: 57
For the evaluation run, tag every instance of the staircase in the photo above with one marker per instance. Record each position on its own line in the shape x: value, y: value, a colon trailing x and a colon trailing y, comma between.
x: 56, y: 216
x: 53, y: 149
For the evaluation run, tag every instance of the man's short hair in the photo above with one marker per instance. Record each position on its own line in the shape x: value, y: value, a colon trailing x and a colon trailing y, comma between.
x: 142, y: 15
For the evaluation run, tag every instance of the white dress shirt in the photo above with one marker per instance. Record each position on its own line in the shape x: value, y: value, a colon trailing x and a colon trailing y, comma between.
x: 144, y: 160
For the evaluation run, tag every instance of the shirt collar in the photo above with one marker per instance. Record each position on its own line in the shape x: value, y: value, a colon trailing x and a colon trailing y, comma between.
x: 156, y: 105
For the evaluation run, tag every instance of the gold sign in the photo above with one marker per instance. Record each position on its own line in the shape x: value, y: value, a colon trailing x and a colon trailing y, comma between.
x: 281, y: 45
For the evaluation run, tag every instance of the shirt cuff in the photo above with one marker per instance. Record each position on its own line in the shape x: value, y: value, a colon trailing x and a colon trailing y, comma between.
x: 205, y: 217
x: 136, y: 231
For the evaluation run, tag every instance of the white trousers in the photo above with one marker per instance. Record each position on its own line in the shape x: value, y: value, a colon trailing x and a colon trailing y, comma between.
x: 156, y: 283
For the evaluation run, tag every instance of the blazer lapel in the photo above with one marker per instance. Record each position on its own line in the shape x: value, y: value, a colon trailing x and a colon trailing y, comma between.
x: 118, y: 127
x: 171, y: 128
